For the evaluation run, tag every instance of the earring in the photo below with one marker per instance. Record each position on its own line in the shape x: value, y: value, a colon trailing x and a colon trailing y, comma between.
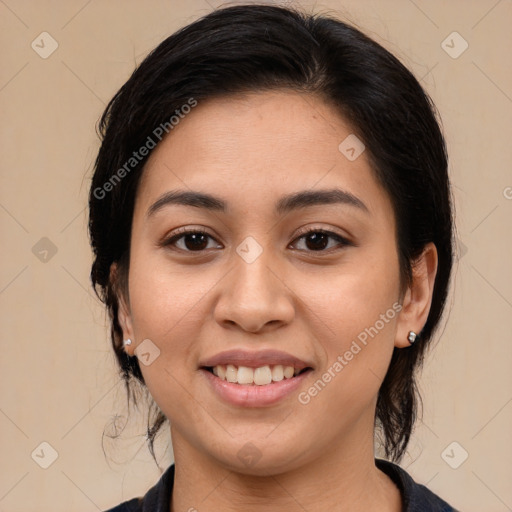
x: 412, y: 337
x: 127, y: 342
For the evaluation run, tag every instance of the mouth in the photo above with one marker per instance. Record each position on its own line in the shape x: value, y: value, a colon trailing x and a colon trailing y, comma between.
x: 255, y: 386
x: 248, y: 378
x: 256, y: 376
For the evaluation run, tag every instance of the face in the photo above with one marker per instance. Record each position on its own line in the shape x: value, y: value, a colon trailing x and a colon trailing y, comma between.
x: 267, y: 280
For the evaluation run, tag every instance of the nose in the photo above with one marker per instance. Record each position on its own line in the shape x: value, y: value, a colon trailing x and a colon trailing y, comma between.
x: 254, y: 296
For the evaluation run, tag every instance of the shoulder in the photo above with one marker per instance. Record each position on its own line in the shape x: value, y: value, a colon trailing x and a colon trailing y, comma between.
x: 416, y: 497
x: 157, y: 499
x: 134, y: 505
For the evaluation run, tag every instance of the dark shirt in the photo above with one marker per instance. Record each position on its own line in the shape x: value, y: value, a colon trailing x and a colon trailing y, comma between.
x: 415, y: 497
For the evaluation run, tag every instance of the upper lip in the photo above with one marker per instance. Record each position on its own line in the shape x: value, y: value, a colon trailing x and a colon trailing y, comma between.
x: 240, y: 357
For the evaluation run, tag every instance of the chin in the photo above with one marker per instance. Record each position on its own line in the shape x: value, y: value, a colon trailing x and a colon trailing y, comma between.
x: 260, y: 458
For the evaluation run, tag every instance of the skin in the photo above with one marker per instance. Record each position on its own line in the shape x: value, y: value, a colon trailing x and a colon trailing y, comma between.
x: 250, y: 150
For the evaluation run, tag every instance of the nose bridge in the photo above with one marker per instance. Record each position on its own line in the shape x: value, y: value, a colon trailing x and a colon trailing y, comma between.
x: 253, y: 294
x: 252, y: 266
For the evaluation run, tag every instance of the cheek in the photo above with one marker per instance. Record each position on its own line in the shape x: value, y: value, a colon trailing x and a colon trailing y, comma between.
x: 355, y: 314
x: 163, y: 298
x: 351, y: 298
x: 357, y: 340
x: 167, y: 308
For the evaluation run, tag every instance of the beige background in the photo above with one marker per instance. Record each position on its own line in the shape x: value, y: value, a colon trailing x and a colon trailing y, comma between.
x: 57, y: 374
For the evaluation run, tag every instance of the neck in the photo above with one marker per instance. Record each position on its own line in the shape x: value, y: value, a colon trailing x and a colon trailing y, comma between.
x: 343, y: 478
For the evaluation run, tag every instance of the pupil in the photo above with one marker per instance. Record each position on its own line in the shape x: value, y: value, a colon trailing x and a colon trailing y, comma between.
x: 319, y: 240
x: 197, y: 243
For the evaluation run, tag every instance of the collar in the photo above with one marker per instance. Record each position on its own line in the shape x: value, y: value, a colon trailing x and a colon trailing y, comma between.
x: 415, y: 497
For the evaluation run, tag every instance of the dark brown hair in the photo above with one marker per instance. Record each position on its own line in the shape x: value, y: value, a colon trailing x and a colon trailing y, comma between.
x: 257, y: 48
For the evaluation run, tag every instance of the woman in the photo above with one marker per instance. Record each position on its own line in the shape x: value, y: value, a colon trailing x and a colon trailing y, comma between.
x: 271, y: 221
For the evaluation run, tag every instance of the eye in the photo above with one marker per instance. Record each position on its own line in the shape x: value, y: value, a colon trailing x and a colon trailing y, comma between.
x: 194, y: 240
x: 317, y: 240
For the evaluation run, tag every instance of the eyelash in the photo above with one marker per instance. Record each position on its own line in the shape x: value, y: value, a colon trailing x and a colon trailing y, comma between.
x: 186, y: 231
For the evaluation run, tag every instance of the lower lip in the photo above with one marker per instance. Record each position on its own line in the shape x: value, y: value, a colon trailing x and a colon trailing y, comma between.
x: 251, y: 395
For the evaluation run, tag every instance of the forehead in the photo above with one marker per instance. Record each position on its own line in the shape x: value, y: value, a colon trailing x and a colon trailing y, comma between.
x: 257, y: 146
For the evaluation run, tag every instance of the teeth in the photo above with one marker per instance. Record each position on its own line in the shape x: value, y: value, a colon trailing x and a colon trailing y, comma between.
x: 288, y: 372
x: 245, y: 375
x: 262, y: 375
x: 258, y: 376
x: 231, y: 373
x: 221, y: 372
x: 277, y: 373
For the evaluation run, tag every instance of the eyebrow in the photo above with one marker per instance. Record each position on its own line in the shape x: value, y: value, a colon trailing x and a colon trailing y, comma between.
x: 288, y: 203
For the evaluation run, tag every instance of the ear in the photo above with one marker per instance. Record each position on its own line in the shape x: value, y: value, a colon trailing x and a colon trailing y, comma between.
x: 418, y: 296
x: 123, y: 311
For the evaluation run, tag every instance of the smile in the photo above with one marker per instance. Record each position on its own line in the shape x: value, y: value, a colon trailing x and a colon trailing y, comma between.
x: 261, y: 376
x: 252, y: 394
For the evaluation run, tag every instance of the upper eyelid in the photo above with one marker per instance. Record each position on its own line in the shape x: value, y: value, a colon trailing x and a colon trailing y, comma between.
x: 302, y: 232
x: 181, y: 232
x: 310, y: 229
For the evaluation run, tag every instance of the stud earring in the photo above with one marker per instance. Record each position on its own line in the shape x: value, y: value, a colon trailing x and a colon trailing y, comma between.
x: 127, y: 342
x: 412, y: 337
